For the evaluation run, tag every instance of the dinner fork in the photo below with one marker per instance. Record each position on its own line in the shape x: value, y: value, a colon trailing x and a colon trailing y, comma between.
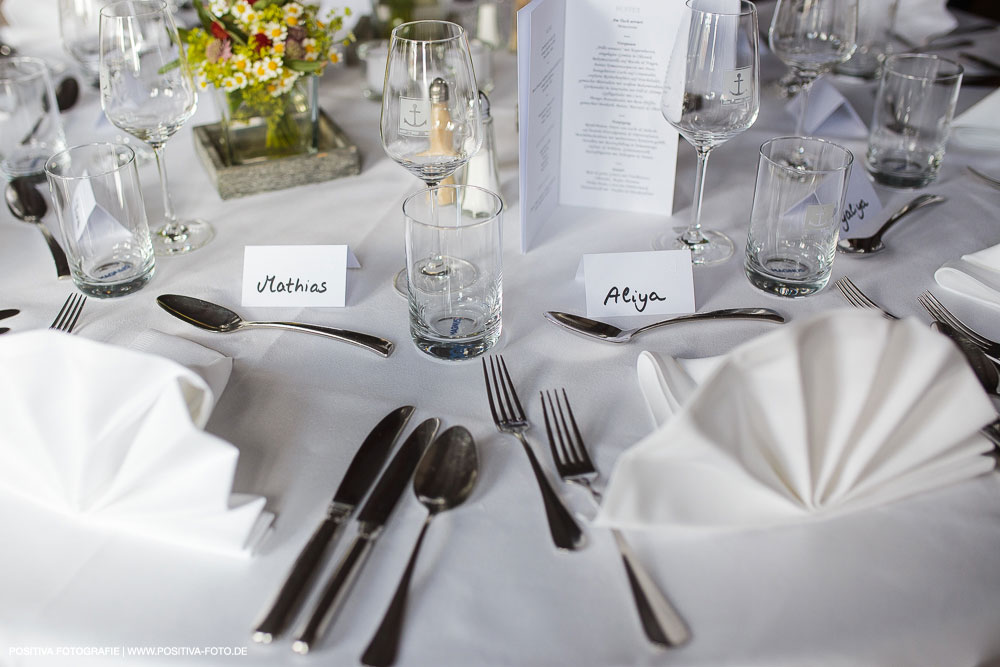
x: 69, y: 313
x: 660, y: 621
x: 509, y: 417
x: 859, y: 299
x: 937, y: 310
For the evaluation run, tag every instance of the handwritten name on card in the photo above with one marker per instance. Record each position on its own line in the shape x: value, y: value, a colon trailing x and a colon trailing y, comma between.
x: 861, y: 206
x: 296, y: 276
x: 639, y: 283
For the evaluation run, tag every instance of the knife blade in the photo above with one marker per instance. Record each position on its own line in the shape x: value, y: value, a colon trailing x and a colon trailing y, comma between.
x: 360, y: 474
x: 371, y: 521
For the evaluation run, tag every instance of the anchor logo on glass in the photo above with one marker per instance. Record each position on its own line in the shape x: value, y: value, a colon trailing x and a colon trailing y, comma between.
x: 413, y: 115
x: 738, y: 88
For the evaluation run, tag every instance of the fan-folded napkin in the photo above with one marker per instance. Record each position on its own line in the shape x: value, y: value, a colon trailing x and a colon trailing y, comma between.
x: 113, y: 437
x: 976, y: 276
x: 840, y: 412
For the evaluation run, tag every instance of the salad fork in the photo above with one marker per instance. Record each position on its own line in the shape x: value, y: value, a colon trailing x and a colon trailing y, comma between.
x: 859, y: 299
x: 509, y: 417
x: 937, y: 310
x: 660, y: 621
x: 69, y: 313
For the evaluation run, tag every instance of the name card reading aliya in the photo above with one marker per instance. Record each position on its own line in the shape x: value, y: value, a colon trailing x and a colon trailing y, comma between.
x: 301, y: 276
x: 639, y: 283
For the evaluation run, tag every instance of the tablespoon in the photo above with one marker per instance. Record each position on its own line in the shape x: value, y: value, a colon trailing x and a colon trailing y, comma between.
x: 28, y: 205
x: 213, y: 317
x: 444, y: 478
x: 870, y: 245
x: 612, y: 334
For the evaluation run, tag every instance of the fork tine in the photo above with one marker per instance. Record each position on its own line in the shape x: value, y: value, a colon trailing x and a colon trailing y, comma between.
x: 938, y: 311
x: 581, y: 448
x: 76, y: 314
x: 858, y: 298
x: 520, y: 416
x: 62, y: 311
x: 489, y: 392
x: 557, y: 455
x: 569, y: 445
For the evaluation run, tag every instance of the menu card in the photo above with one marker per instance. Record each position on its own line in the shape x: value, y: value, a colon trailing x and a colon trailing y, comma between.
x: 590, y: 74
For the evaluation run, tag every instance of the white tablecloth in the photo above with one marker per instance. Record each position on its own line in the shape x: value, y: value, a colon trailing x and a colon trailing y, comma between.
x: 914, y: 583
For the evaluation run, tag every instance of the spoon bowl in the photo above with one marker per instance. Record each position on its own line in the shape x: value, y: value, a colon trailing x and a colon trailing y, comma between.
x: 870, y: 245
x: 27, y: 204
x: 444, y: 478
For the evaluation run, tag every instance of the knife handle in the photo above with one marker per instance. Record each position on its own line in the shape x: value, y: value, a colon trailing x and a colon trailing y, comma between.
x: 302, y: 572
x: 660, y: 621
x: 379, y: 346
x: 566, y: 532
x: 333, y: 595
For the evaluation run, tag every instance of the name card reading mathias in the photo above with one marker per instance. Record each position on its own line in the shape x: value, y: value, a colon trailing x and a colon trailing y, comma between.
x: 300, y: 276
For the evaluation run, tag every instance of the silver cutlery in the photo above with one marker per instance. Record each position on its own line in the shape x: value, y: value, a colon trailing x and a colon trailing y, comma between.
x: 444, y: 478
x: 359, y: 477
x: 27, y: 204
x: 859, y: 299
x: 69, y: 313
x: 213, y: 317
x: 612, y: 334
x: 4, y: 330
x: 937, y: 310
x: 987, y: 371
x: 660, y: 621
x: 870, y: 245
x: 995, y: 182
x: 8, y: 312
x: 509, y: 417
x: 371, y: 521
x: 979, y: 60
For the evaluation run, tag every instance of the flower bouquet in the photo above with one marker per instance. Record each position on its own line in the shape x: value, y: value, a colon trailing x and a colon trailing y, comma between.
x: 263, y: 58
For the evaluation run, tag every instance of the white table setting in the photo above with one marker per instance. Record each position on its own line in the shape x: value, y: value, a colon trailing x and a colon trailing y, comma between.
x: 813, y: 492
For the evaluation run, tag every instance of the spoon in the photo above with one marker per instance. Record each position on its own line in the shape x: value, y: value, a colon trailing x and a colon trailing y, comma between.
x: 987, y: 371
x: 213, y: 317
x: 28, y: 204
x: 995, y: 182
x: 870, y: 245
x: 612, y: 334
x: 444, y: 478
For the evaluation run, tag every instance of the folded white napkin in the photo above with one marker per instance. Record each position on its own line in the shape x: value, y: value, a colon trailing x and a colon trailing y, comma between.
x: 976, y: 276
x: 836, y: 413
x: 977, y: 126
x: 916, y: 20
x: 113, y: 437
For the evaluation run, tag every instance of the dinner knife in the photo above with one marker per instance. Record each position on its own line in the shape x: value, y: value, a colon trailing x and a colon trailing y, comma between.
x: 371, y: 520
x: 359, y: 477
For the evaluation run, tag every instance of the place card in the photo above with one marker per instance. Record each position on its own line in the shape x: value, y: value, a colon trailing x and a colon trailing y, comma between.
x: 639, y: 283
x: 861, y: 205
x: 829, y: 113
x: 592, y: 133
x: 300, y: 276
x: 91, y: 218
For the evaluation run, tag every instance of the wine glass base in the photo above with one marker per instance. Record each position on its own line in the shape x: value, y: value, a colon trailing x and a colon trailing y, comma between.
x: 438, y: 274
x: 181, y: 237
x: 710, y: 247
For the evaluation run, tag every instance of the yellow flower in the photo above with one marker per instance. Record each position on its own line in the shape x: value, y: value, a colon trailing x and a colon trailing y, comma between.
x: 278, y: 48
x: 275, y: 32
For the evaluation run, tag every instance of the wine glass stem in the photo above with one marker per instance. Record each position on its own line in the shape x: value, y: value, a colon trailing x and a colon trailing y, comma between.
x: 800, y: 124
x: 172, y: 228
x: 693, y: 233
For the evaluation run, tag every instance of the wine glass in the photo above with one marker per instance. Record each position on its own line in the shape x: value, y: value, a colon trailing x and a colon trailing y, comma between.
x: 811, y: 36
x: 147, y: 91
x: 430, y: 118
x: 79, y: 24
x: 710, y: 94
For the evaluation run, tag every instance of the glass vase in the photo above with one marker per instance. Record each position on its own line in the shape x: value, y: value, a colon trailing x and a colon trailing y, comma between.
x: 256, y: 128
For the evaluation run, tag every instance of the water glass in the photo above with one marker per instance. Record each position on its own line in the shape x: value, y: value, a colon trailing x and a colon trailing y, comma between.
x: 913, y: 111
x: 97, y: 196
x: 30, y: 129
x: 456, y: 312
x: 795, y: 221
x: 876, y: 19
